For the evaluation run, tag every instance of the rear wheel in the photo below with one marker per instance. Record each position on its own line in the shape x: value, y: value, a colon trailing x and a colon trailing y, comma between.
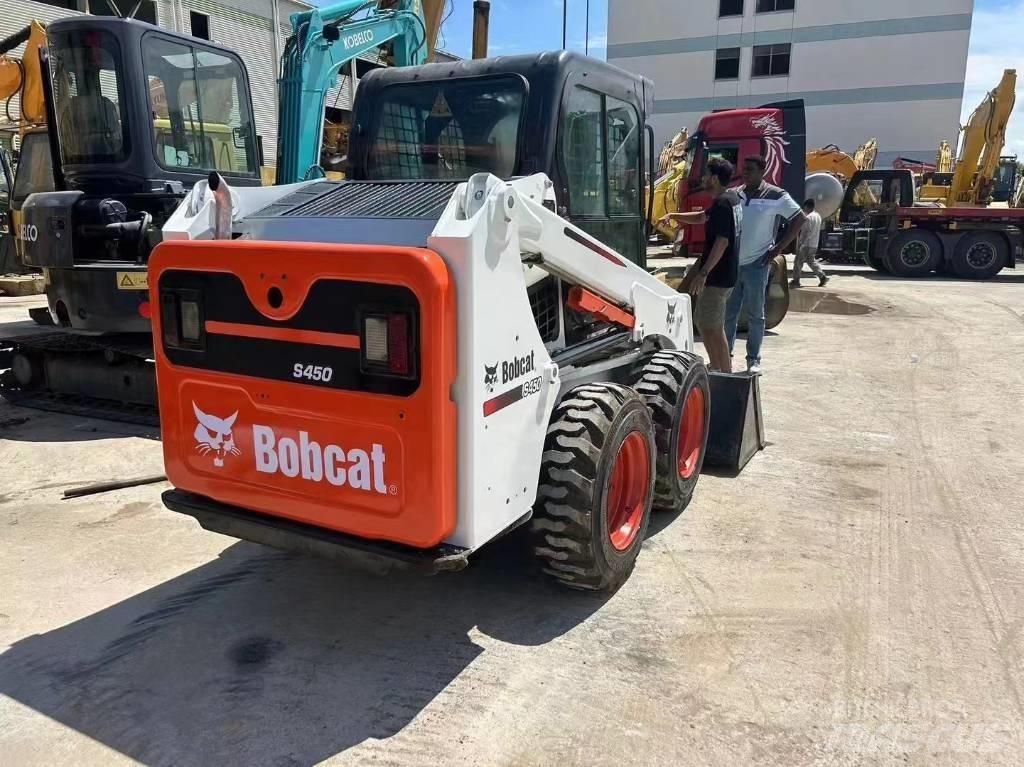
x: 676, y: 389
x: 596, y: 487
x: 914, y: 253
x: 980, y: 256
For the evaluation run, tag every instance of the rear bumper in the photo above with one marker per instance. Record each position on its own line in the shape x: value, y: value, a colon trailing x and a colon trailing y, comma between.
x: 307, y: 539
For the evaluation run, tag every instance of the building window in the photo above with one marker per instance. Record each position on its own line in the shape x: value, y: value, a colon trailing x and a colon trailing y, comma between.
x: 730, y: 8
x: 200, y: 25
x: 770, y: 6
x: 771, y: 60
x: 727, y: 64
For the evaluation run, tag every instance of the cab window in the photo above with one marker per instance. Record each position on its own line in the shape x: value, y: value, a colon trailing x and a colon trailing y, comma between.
x: 87, y: 93
x: 35, y: 170
x: 199, y: 108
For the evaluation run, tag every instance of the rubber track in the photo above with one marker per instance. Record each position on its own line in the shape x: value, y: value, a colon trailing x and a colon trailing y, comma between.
x: 659, y: 385
x: 563, y: 521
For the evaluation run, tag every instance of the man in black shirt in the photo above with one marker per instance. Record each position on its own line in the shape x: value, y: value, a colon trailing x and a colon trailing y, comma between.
x: 713, y: 277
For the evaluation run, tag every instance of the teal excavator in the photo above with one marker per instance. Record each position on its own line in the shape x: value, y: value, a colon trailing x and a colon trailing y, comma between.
x: 323, y: 41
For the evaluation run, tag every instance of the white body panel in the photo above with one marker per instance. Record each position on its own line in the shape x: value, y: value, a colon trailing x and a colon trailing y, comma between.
x: 483, y: 236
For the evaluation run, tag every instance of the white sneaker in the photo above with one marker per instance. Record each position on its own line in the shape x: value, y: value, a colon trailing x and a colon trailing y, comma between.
x: 754, y: 368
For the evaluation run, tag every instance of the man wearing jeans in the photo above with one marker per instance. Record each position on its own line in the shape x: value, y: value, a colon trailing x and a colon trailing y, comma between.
x: 763, y: 206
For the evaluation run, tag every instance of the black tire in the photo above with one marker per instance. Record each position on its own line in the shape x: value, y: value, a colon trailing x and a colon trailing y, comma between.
x: 913, y: 253
x: 572, y: 536
x: 674, y: 385
x: 980, y: 255
x: 875, y: 262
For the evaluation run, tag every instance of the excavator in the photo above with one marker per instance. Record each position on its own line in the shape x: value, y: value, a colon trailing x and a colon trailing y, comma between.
x: 127, y: 164
x: 19, y: 78
x: 978, y: 164
x: 832, y: 159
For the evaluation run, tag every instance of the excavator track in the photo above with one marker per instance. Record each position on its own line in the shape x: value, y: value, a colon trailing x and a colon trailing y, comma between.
x: 108, y: 377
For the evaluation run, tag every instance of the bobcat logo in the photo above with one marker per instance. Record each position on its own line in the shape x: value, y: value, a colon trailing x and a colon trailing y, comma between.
x: 213, y: 435
x: 490, y: 376
x: 670, y: 320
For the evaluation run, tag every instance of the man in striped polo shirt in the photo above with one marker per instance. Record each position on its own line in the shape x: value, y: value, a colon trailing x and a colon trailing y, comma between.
x: 764, y: 207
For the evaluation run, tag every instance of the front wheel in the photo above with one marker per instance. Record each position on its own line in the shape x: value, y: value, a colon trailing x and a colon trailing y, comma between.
x: 596, y: 487
x: 914, y: 253
x: 677, y: 391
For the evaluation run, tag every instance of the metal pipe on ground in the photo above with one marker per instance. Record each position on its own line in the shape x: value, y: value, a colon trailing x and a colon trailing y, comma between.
x: 481, y: 25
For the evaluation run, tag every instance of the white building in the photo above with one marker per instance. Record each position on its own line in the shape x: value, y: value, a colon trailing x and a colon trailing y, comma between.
x: 255, y: 29
x: 891, y: 69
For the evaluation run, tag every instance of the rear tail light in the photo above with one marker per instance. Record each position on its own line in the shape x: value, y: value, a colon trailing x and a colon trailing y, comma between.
x: 181, y: 317
x: 387, y: 344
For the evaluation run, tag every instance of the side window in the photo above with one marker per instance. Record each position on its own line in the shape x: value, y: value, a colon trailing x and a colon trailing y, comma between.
x: 583, y: 148
x: 199, y: 109
x: 623, y: 158
x: 35, y: 171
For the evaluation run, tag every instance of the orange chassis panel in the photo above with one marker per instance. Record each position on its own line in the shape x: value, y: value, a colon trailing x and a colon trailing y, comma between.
x: 415, y: 504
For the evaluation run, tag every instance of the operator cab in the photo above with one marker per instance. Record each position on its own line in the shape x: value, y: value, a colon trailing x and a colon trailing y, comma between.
x: 576, y: 119
x: 873, y: 189
x: 138, y: 106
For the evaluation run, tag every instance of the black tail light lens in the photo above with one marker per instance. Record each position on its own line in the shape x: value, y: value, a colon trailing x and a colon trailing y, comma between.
x: 181, y: 318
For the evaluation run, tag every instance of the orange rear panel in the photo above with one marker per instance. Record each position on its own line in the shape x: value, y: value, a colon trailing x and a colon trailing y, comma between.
x: 358, y: 454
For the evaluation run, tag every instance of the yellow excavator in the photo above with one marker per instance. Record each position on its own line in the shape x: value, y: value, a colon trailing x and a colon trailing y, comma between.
x: 832, y: 159
x: 672, y: 170
x: 981, y: 146
x: 19, y: 78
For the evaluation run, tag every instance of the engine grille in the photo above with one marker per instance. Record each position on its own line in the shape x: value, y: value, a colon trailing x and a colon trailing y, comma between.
x: 366, y: 199
x: 544, y: 303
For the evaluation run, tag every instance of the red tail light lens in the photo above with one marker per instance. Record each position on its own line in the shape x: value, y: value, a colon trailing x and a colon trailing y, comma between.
x: 398, y: 344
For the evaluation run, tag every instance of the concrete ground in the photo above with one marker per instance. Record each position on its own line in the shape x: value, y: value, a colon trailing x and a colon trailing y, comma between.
x: 856, y: 596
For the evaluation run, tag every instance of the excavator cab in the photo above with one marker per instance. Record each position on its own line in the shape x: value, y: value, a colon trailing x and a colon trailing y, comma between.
x: 141, y: 115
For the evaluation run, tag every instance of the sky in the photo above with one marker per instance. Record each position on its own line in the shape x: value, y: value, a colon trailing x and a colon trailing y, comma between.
x: 524, y: 26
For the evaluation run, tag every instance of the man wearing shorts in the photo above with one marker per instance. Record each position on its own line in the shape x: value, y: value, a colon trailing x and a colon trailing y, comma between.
x: 713, y: 277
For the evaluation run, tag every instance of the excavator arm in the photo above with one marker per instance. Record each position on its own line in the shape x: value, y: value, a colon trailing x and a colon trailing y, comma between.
x: 982, y: 144
x: 21, y: 77
x: 323, y: 41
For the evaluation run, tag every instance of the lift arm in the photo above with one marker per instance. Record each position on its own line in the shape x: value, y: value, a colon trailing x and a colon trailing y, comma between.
x: 323, y: 41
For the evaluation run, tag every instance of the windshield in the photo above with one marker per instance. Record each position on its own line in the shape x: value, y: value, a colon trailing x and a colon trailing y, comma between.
x: 87, y: 93
x: 447, y: 130
x: 200, y: 109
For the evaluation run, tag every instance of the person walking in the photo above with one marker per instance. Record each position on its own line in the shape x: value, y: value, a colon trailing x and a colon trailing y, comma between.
x: 807, y: 247
x: 763, y: 206
x: 712, y: 278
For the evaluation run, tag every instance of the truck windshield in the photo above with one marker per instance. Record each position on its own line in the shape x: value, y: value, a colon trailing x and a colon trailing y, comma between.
x: 447, y: 130
x: 200, y: 109
x: 88, y: 95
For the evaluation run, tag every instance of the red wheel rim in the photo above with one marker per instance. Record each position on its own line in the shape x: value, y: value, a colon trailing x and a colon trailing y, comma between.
x: 627, y: 490
x: 691, y: 433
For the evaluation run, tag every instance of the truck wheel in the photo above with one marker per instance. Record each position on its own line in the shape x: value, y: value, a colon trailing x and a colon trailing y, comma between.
x: 676, y: 389
x: 914, y: 253
x: 876, y: 263
x: 980, y: 256
x: 596, y: 487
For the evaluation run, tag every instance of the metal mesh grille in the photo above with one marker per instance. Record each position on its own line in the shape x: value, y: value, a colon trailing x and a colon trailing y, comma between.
x: 544, y: 303
x: 367, y: 199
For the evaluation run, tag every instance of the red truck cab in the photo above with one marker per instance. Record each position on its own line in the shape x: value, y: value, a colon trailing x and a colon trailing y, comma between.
x: 777, y: 132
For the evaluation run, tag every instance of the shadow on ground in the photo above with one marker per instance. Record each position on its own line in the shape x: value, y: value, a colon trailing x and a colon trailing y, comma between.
x: 24, y: 424
x: 262, y: 657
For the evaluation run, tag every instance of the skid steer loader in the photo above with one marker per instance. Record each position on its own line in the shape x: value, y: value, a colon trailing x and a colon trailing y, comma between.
x: 402, y: 367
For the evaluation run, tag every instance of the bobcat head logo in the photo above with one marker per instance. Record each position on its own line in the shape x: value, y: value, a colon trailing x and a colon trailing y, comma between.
x: 490, y: 376
x: 213, y: 435
x: 670, y: 320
